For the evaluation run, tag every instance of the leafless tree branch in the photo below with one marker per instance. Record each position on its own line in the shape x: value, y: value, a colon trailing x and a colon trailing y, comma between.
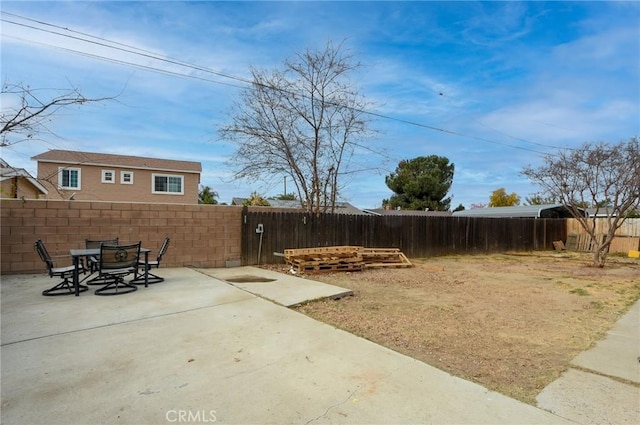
x: 25, y: 115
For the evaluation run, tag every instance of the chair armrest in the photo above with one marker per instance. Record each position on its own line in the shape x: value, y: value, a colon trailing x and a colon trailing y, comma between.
x: 61, y: 260
x: 66, y: 260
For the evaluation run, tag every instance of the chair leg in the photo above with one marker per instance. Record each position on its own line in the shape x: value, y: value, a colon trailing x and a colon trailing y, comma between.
x: 139, y: 278
x: 152, y: 278
x: 63, y: 288
x: 116, y: 287
x: 99, y: 280
x: 155, y: 278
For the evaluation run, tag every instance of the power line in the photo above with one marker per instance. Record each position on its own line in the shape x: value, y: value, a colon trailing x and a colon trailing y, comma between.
x: 125, y: 47
x: 123, y: 62
x: 151, y: 55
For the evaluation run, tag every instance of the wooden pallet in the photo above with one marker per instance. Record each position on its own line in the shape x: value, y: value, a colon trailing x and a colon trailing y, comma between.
x: 340, y: 258
x: 581, y: 242
x: 329, y: 267
x: 384, y: 257
x: 321, y: 251
x: 352, y: 259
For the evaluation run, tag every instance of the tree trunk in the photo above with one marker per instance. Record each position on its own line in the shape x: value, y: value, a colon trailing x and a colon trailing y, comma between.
x: 600, y: 254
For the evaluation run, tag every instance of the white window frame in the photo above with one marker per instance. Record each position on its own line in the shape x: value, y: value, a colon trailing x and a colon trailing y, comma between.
x: 104, y: 176
x: 123, y: 174
x: 167, y: 192
x: 61, y: 170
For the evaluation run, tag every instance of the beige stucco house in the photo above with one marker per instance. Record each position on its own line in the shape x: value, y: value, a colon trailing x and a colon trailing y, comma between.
x: 92, y: 176
x: 17, y: 183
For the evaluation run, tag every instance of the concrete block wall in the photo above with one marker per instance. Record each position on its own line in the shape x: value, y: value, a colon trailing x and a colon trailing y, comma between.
x: 201, y: 235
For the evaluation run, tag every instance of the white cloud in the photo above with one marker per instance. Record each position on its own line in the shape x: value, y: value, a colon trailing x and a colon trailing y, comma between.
x: 552, y: 73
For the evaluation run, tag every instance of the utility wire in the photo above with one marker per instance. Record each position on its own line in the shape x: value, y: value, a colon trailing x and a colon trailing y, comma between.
x: 144, y: 53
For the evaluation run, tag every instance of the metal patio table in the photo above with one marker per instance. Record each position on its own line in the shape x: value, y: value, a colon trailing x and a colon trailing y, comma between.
x: 77, y: 254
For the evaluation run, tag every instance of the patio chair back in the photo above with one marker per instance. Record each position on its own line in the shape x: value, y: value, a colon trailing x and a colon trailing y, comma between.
x: 163, y: 249
x: 92, y: 261
x: 65, y: 287
x: 116, y: 257
x: 146, y: 276
x: 44, y: 256
x: 116, y: 262
x: 95, y: 244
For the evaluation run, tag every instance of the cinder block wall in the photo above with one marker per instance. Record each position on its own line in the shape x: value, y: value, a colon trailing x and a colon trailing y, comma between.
x: 201, y: 235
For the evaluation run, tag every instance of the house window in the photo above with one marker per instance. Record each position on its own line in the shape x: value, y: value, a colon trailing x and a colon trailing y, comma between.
x: 69, y: 178
x: 168, y: 184
x: 108, y: 176
x: 126, y: 177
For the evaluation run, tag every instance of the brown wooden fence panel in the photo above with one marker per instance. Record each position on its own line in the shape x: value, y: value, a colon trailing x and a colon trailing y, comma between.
x: 416, y: 236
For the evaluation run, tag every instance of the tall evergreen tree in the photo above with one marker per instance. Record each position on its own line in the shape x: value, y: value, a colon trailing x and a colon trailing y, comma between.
x: 421, y: 183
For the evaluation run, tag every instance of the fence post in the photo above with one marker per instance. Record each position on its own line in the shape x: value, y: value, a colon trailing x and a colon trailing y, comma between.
x: 244, y: 242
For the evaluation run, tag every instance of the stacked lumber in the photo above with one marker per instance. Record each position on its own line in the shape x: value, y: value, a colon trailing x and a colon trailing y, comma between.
x: 343, y: 258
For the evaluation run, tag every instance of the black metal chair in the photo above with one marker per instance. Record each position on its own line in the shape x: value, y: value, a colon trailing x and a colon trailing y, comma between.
x: 116, y: 262
x: 66, y: 273
x: 153, y: 264
x: 93, y: 262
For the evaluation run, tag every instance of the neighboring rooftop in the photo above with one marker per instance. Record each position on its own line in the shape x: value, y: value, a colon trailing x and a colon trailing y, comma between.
x: 341, y: 207
x: 8, y: 172
x: 103, y: 159
x: 427, y: 213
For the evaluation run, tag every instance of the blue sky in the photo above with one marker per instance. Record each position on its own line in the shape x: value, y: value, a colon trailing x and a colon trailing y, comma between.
x: 492, y: 85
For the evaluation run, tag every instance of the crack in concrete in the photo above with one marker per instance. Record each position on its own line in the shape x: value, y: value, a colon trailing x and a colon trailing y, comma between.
x: 326, y: 412
x: 351, y: 394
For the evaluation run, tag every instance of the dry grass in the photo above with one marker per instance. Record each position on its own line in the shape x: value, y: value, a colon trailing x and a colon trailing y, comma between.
x: 509, y: 322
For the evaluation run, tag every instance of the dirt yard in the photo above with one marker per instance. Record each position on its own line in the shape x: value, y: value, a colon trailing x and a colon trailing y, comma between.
x: 510, y: 322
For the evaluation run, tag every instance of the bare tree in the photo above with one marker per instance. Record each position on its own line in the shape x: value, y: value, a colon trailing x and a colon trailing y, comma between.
x: 25, y: 115
x: 604, y: 176
x: 303, y: 121
x: 27, y: 112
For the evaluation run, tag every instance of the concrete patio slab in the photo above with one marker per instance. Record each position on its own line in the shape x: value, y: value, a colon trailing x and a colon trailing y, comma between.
x: 605, y: 387
x: 286, y: 290
x: 617, y: 354
x: 26, y: 314
x: 196, y: 349
x: 588, y: 398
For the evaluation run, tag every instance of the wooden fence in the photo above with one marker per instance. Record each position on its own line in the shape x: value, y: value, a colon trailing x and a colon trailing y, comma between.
x: 630, y: 227
x: 416, y: 236
x: 627, y: 236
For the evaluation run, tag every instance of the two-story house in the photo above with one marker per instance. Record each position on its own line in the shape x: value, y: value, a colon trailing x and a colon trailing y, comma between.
x: 92, y: 176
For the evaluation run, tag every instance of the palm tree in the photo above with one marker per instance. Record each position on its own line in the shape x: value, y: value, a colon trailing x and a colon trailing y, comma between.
x: 207, y: 196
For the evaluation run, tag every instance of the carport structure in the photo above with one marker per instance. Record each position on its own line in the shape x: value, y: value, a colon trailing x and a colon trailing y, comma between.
x: 521, y: 211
